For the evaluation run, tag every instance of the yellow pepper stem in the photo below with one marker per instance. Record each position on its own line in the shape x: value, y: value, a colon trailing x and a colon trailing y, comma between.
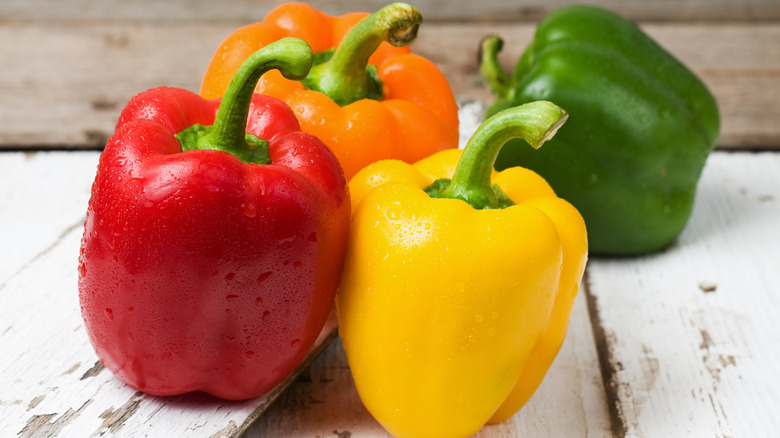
x: 535, y: 122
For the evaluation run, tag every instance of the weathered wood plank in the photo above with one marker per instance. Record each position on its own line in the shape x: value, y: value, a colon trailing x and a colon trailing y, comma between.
x: 63, y: 84
x: 690, y: 335
x: 51, y: 382
x: 434, y: 10
x: 570, y: 401
x: 36, y: 212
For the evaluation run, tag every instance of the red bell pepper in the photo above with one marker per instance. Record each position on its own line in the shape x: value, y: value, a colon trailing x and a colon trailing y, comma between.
x: 214, y: 238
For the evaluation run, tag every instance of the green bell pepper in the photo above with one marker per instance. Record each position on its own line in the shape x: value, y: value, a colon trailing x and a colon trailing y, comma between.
x: 641, y: 125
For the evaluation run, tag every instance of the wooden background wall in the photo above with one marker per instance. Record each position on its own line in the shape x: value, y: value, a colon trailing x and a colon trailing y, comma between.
x: 75, y: 63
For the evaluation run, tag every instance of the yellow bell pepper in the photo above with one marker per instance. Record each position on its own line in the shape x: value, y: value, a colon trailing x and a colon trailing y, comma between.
x: 452, y: 311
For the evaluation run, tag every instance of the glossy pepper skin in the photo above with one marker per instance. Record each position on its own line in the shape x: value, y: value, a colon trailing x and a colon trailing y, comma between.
x: 371, y: 99
x: 200, y: 270
x: 641, y: 129
x: 451, y: 312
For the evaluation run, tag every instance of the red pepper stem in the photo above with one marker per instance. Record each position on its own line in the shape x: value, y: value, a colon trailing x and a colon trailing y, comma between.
x: 344, y: 77
x: 292, y: 57
x: 535, y: 122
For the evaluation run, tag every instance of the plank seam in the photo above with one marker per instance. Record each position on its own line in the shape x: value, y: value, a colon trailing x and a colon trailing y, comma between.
x: 606, y: 362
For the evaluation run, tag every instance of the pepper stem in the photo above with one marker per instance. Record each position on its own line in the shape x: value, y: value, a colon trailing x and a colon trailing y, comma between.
x: 493, y: 74
x: 346, y: 77
x: 292, y: 57
x: 535, y: 122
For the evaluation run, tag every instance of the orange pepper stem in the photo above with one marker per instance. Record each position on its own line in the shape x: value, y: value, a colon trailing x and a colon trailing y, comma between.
x: 535, y: 122
x: 292, y: 57
x: 346, y: 76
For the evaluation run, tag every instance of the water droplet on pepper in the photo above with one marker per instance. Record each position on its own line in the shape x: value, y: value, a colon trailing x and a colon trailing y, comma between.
x: 249, y: 209
x: 394, y: 212
x: 263, y: 277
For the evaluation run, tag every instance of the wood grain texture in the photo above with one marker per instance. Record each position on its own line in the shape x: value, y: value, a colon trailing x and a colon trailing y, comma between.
x: 37, y: 212
x: 690, y: 334
x: 63, y: 84
x: 433, y: 10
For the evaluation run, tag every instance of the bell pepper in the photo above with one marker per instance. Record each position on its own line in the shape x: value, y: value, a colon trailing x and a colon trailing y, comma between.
x: 459, y: 282
x: 214, y: 238
x: 642, y: 125
x: 367, y: 96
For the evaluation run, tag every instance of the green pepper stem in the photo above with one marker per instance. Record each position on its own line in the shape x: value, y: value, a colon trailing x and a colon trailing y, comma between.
x: 492, y: 73
x: 292, y: 57
x: 343, y: 77
x: 535, y: 122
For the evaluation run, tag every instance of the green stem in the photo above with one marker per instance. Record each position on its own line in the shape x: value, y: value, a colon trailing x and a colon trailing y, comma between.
x: 535, y: 122
x: 492, y: 73
x: 292, y: 57
x: 346, y: 77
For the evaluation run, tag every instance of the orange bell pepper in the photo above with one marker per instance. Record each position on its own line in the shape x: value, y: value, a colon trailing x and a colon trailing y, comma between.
x: 370, y: 99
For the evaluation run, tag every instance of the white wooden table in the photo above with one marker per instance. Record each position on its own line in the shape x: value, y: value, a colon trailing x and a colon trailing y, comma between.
x: 679, y: 343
